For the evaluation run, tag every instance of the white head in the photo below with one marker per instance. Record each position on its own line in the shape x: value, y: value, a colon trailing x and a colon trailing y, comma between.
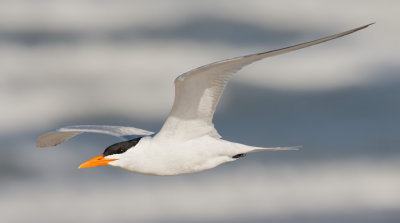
x: 111, y: 153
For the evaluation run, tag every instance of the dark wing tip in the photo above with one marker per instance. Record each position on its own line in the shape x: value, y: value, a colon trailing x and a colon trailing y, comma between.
x: 54, y: 138
x: 364, y: 26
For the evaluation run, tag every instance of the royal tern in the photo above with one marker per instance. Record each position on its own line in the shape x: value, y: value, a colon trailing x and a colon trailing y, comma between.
x: 188, y: 141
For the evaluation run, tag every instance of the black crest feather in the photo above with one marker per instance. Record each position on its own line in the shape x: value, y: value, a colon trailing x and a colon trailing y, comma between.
x: 120, y: 147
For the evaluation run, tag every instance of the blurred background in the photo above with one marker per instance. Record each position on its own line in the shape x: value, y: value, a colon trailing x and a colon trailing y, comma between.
x: 114, y: 62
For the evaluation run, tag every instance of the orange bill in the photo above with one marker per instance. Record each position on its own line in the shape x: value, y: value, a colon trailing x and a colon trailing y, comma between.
x: 96, y: 161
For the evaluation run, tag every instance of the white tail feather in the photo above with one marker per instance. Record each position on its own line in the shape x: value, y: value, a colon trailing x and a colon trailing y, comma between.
x: 256, y: 149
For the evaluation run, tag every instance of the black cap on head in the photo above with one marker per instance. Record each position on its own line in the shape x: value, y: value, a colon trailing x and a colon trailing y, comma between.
x: 120, y: 147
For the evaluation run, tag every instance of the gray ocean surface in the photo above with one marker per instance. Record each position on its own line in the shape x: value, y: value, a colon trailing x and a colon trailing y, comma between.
x: 76, y: 63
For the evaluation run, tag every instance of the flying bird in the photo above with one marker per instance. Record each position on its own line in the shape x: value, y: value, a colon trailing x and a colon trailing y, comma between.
x: 188, y: 141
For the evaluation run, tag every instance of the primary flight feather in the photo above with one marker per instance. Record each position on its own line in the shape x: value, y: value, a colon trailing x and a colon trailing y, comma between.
x: 188, y: 141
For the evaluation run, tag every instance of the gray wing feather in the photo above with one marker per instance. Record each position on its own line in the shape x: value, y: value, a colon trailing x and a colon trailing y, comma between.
x: 61, y: 135
x: 198, y: 91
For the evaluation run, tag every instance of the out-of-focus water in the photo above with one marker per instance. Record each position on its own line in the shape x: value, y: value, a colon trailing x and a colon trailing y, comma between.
x: 113, y: 62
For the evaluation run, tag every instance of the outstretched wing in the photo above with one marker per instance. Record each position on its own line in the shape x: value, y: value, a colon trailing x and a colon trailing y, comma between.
x: 198, y: 91
x: 61, y: 135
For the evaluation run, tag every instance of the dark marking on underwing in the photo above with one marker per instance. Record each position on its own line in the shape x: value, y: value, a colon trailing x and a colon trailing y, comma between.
x: 238, y: 155
x: 120, y: 147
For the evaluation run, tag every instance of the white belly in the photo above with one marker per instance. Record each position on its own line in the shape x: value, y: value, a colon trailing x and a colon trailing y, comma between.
x: 173, y: 158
